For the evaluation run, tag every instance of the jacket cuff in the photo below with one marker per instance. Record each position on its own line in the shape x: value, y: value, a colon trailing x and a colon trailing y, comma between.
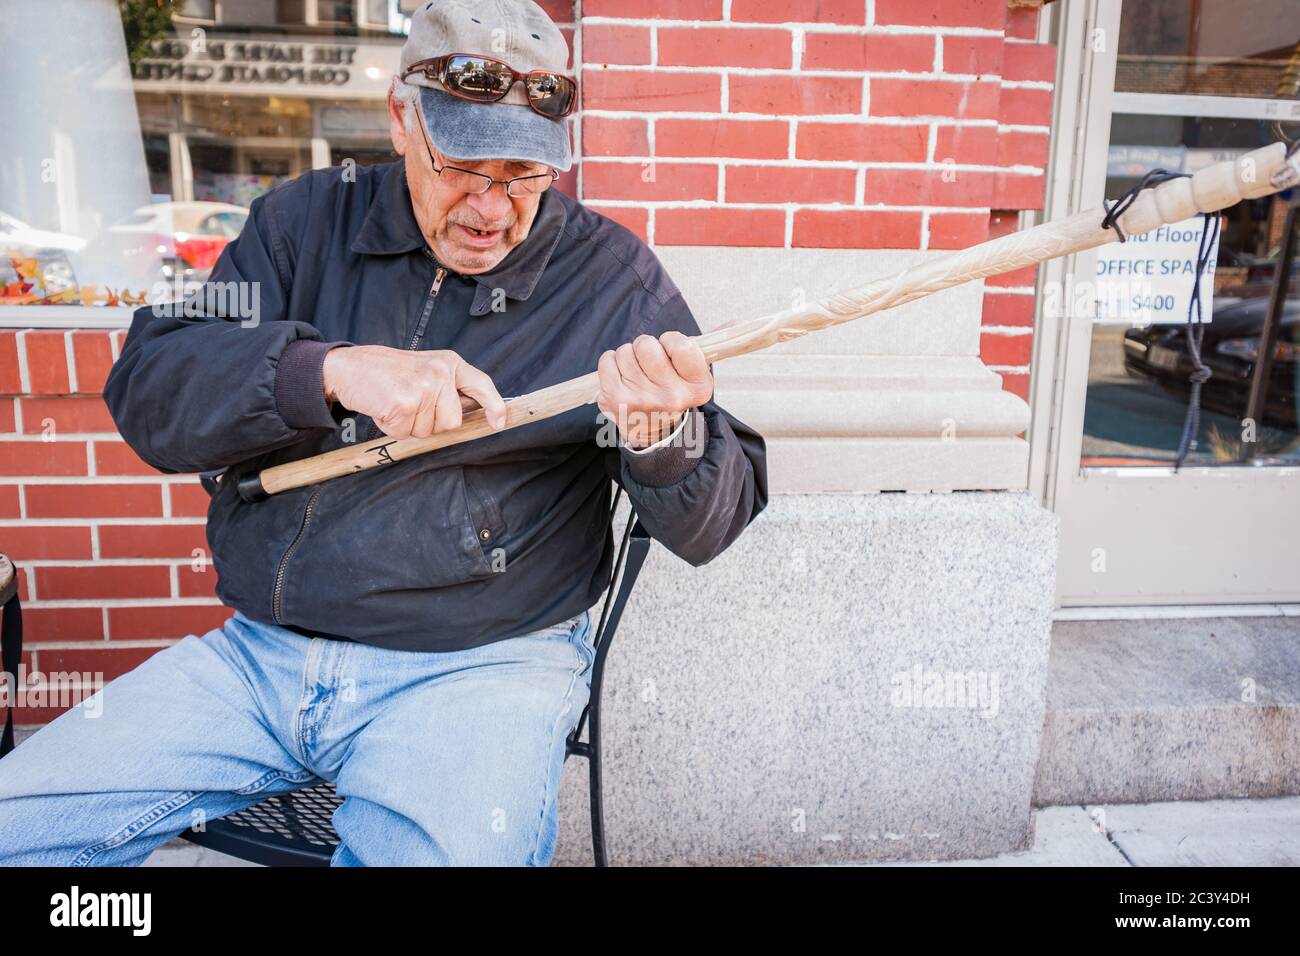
x: 657, y: 467
x: 666, y: 440
x: 300, y: 386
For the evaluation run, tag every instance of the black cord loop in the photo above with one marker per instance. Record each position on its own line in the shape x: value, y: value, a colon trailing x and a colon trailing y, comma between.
x: 1201, y: 373
x: 1153, y: 177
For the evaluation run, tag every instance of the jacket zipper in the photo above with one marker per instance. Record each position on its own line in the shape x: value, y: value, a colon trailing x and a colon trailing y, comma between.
x: 428, y: 308
x: 373, y: 432
x: 284, y: 561
x: 278, y: 593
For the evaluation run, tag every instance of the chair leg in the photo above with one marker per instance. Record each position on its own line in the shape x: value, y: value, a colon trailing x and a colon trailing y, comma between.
x: 11, y: 651
x: 597, y: 805
x: 636, y: 542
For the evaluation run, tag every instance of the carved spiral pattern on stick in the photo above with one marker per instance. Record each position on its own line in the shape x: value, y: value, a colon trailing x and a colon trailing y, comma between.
x: 1216, y: 187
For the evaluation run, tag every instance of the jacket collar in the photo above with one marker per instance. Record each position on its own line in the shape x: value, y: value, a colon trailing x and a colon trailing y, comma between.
x: 390, y: 228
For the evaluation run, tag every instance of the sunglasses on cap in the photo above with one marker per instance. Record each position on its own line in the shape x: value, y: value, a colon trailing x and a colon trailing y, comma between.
x: 484, y: 79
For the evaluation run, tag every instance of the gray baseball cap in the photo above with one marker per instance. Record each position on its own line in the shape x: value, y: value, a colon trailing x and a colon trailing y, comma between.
x: 517, y: 32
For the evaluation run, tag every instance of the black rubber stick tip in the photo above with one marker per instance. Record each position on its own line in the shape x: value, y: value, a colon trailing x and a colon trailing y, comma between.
x: 250, y: 487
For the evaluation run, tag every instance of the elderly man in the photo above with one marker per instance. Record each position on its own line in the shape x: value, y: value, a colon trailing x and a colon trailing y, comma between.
x: 419, y: 634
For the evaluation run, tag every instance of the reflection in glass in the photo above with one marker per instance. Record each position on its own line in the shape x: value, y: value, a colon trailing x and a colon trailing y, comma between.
x: 1207, y: 48
x: 132, y: 170
x: 1141, y: 363
x: 1138, y: 378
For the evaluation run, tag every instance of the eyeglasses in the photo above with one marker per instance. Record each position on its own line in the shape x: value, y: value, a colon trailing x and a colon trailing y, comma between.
x: 485, y: 79
x: 468, y: 181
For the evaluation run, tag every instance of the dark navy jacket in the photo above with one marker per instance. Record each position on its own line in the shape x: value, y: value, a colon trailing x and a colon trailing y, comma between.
x: 468, y: 544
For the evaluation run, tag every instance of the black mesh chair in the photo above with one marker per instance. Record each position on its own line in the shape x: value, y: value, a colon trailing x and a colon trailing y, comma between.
x: 11, y: 642
x: 295, y: 828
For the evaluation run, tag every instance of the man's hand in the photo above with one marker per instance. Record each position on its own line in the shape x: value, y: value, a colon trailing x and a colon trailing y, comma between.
x: 408, y: 394
x: 648, y: 384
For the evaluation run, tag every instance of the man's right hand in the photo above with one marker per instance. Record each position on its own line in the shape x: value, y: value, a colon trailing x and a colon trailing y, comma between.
x: 408, y: 394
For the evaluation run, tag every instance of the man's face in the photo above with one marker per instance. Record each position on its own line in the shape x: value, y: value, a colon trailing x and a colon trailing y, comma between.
x: 469, y: 232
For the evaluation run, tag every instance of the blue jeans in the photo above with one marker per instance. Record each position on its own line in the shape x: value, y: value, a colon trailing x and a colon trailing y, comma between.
x: 441, y: 758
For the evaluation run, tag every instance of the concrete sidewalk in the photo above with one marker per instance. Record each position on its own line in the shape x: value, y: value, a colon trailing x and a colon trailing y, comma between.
x: 1184, y: 833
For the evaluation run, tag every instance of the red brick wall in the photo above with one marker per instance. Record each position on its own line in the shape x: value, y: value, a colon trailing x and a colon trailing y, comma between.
x: 111, y: 555
x: 901, y: 124
x: 908, y: 124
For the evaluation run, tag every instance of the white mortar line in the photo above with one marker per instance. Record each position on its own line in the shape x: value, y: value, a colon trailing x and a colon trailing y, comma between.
x: 920, y: 76
x: 108, y: 562
x: 24, y: 373
x: 813, y: 25
x: 789, y: 162
x: 81, y: 479
x: 142, y: 524
x: 122, y: 603
x: 824, y: 207
x: 856, y: 119
x: 72, y: 363
x: 1027, y: 85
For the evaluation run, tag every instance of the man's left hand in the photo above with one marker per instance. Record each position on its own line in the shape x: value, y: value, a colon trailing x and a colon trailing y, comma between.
x: 648, y: 384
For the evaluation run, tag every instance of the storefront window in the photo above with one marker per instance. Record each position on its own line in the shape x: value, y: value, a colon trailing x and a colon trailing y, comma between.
x: 355, y: 133
x: 117, y: 190
x: 199, y: 9
x: 1189, y: 86
x: 1209, y: 48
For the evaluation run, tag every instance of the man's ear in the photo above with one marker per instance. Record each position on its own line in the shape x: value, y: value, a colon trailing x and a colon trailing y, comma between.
x: 397, y: 124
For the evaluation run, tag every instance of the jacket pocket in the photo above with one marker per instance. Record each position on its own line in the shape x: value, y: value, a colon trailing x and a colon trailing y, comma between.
x: 371, y: 534
x: 485, y: 512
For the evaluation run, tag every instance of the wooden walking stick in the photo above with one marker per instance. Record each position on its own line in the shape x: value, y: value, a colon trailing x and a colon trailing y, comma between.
x: 1258, y: 173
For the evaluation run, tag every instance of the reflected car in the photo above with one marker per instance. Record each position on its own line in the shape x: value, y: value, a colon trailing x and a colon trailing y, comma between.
x: 50, y: 250
x: 1230, y: 349
x: 188, y: 236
